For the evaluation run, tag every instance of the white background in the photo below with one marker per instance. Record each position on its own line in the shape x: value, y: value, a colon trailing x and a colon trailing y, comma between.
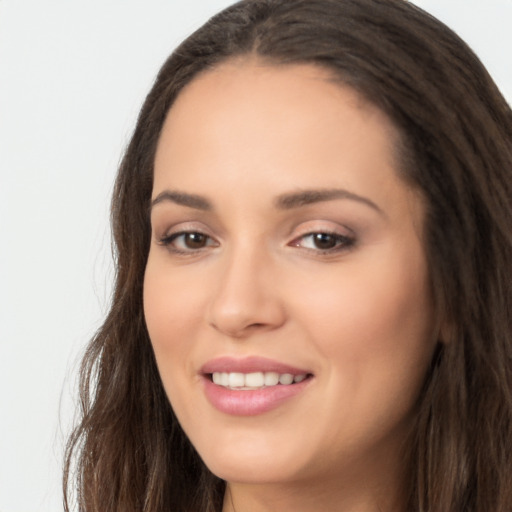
x: 73, y: 75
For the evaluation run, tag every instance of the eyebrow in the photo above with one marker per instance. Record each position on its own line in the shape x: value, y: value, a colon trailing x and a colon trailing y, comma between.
x: 306, y: 197
x: 183, y: 199
x: 286, y: 201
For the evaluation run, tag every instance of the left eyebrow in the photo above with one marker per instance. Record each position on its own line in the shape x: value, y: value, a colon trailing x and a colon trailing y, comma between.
x: 307, y: 197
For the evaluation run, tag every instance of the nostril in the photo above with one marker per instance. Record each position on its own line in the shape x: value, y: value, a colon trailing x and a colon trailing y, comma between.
x: 256, y: 325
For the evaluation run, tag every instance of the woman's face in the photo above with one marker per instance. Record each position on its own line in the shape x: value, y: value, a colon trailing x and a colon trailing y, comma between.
x: 286, y: 292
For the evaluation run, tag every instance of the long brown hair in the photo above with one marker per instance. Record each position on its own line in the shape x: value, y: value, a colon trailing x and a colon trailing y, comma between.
x: 128, y: 453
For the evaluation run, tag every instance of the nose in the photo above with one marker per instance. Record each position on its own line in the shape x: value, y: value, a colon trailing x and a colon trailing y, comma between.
x: 246, y: 299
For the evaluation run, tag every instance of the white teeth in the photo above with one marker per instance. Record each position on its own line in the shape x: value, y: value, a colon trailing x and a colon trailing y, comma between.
x: 236, y: 380
x: 285, y: 378
x: 271, y: 378
x: 255, y: 380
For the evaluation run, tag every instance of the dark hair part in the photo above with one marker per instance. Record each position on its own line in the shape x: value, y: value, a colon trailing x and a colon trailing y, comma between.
x: 130, y: 453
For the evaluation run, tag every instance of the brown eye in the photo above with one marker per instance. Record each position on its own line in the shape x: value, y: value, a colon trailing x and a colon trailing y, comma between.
x: 195, y: 240
x: 324, y: 241
x: 188, y: 242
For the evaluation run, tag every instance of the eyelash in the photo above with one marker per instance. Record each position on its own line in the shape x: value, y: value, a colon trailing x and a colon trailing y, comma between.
x: 169, y: 242
x: 341, y: 242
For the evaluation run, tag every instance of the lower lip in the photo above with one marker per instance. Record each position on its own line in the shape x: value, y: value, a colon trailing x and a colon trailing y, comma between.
x: 251, y: 402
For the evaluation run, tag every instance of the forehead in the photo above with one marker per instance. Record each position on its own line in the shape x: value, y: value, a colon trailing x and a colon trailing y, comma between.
x: 273, y: 129
x: 251, y: 99
x: 249, y: 80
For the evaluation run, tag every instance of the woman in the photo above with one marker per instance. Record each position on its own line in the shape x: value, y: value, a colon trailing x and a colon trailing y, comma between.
x: 313, y: 300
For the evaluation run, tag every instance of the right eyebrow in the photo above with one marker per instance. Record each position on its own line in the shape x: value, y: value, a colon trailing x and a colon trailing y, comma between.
x: 183, y: 199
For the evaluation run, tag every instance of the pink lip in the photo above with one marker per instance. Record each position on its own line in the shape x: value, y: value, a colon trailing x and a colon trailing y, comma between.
x: 250, y: 402
x: 248, y: 365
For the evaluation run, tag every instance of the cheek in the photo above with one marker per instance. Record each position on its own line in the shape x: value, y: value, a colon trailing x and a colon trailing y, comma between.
x: 172, y: 316
x: 374, y: 323
x: 374, y: 334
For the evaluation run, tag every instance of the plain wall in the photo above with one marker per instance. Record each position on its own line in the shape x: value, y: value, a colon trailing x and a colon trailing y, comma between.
x: 72, y: 78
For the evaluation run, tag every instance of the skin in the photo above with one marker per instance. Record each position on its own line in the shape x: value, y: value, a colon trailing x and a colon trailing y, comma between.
x: 358, y: 317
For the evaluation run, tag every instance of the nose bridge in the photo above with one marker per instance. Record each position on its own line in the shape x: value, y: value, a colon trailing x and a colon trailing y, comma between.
x: 245, y: 298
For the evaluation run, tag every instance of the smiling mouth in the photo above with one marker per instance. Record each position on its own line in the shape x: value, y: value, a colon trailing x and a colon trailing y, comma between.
x: 255, y: 380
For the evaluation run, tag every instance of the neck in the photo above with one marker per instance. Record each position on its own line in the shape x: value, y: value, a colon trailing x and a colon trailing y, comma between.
x: 373, y: 482
x: 357, y: 493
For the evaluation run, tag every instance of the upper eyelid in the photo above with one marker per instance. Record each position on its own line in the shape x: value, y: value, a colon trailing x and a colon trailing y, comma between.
x: 324, y: 232
x: 343, y: 244
x: 181, y: 227
x: 311, y: 227
x: 163, y: 220
x: 303, y: 228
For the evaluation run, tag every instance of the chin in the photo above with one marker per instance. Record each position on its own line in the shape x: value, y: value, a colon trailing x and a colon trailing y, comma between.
x: 262, y: 471
x: 256, y: 459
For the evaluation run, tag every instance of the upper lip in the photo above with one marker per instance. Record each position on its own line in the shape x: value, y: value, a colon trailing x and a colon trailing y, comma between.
x: 250, y: 364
